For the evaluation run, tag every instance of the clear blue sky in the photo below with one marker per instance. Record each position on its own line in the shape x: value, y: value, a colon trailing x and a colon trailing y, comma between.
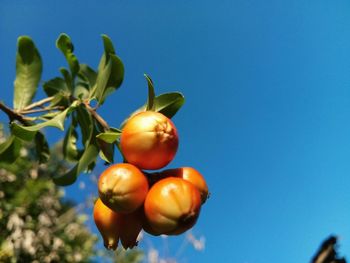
x: 267, y: 113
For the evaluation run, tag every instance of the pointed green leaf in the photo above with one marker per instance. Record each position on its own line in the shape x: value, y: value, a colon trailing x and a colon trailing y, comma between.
x: 10, y: 149
x: 109, y: 136
x: 108, y: 50
x: 28, y: 72
x: 88, y: 157
x: 108, y: 44
x: 70, y: 149
x: 42, y: 148
x: 27, y: 133
x: 65, y: 44
x: 151, y: 94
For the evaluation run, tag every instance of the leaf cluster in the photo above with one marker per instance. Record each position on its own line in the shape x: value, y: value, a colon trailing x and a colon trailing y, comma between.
x: 69, y: 100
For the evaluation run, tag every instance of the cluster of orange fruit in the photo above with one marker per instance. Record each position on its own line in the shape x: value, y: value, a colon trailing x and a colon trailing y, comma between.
x: 166, y: 202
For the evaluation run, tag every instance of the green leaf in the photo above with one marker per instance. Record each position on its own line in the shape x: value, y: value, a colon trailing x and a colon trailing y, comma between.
x: 70, y: 149
x: 167, y: 104
x: 68, y: 79
x: 109, y: 136
x: 88, y: 157
x: 86, y: 124
x: 151, y: 94
x: 91, y: 166
x: 116, y: 77
x: 10, y: 149
x: 106, y: 150
x: 42, y: 148
x: 110, y: 72
x: 28, y: 72
x: 27, y: 133
x: 101, y: 81
x: 65, y: 44
x: 88, y: 75
x: 81, y: 92
x: 108, y: 50
x: 109, y: 78
x: 54, y: 86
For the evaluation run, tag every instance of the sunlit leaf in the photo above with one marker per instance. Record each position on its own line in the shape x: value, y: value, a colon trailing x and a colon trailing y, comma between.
x: 65, y: 44
x: 28, y: 72
x: 42, y: 148
x: 87, y: 158
x: 81, y: 91
x: 27, y: 133
x: 109, y: 136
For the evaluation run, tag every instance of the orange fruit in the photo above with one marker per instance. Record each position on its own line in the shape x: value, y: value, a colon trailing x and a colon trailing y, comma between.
x: 106, y: 221
x: 149, y: 140
x: 191, y: 175
x: 123, y: 187
x: 172, y: 206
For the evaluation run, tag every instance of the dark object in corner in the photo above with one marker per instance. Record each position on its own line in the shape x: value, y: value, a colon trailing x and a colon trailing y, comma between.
x: 327, y: 252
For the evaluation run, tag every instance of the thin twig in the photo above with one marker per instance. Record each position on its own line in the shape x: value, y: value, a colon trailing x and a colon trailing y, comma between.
x: 13, y: 115
x: 97, y: 117
x: 38, y: 103
x: 41, y: 110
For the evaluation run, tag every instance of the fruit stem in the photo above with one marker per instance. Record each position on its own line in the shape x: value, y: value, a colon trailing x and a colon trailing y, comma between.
x: 97, y: 117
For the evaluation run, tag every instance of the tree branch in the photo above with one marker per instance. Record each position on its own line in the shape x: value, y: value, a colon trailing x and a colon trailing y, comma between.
x: 97, y: 117
x: 12, y: 114
x: 41, y: 110
x: 38, y: 103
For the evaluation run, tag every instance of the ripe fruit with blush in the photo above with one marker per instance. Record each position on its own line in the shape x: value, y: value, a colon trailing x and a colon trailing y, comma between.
x: 123, y: 187
x: 149, y: 140
x: 172, y: 206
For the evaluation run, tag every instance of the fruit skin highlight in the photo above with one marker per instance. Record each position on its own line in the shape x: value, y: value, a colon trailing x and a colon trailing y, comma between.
x: 191, y: 175
x: 106, y: 221
x: 149, y: 140
x: 172, y: 206
x: 123, y: 187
